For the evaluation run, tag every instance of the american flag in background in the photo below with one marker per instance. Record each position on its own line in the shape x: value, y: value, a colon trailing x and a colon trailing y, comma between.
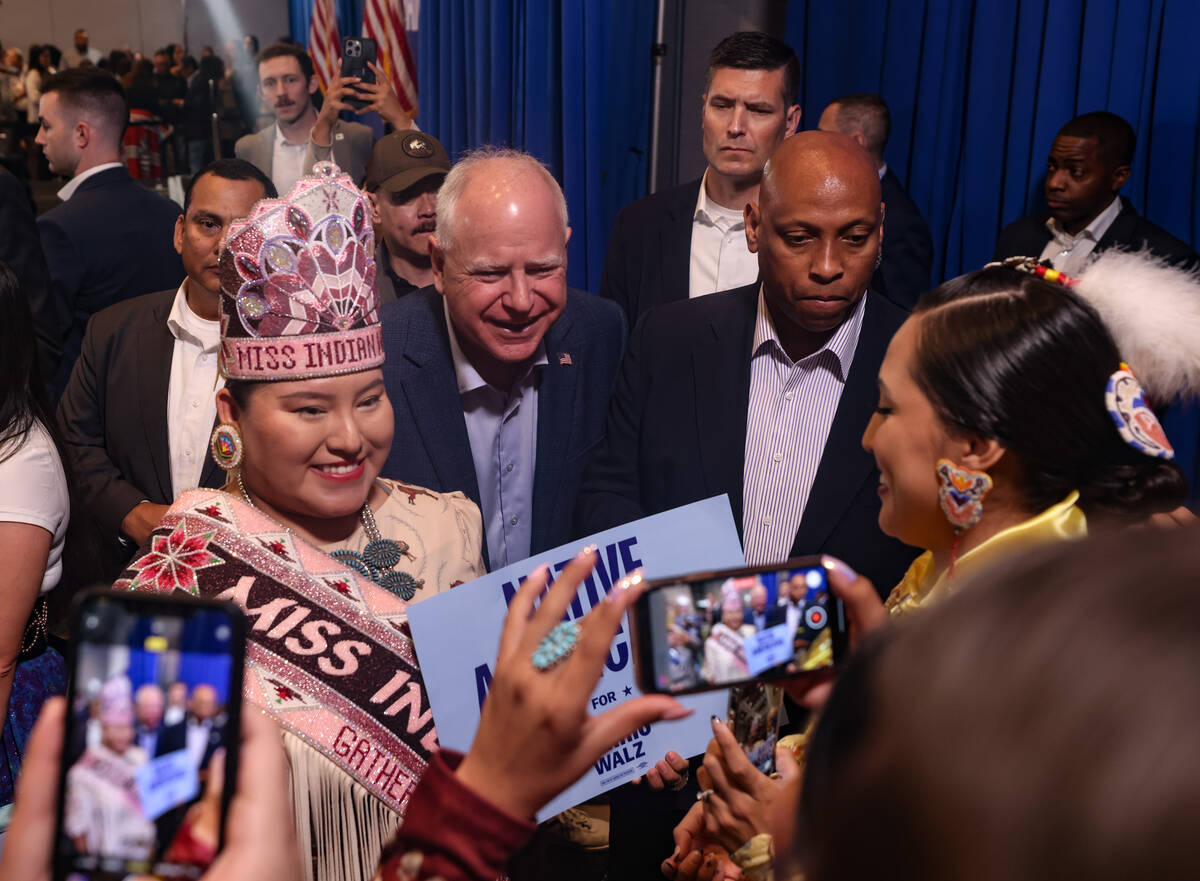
x: 384, y: 22
x: 324, y: 44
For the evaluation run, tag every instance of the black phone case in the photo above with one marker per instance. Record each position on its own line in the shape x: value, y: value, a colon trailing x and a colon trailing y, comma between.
x: 356, y: 64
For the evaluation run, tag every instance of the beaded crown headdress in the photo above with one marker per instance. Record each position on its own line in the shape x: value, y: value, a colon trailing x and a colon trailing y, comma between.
x: 298, y: 297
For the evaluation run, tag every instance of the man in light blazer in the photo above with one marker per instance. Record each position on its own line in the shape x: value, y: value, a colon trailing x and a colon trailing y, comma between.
x: 301, y: 136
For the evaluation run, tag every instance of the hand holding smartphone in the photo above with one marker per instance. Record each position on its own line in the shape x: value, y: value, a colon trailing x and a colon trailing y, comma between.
x: 358, y: 53
x: 713, y: 630
x: 153, y: 712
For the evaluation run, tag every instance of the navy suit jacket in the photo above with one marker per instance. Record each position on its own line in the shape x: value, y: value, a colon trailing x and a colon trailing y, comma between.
x: 904, y: 273
x: 431, y: 446
x: 774, y: 614
x: 1028, y: 236
x: 649, y: 256
x: 112, y: 240
x: 676, y: 431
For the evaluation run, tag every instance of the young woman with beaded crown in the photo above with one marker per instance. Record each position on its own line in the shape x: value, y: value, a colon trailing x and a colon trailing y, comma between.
x: 322, y: 553
x: 1008, y: 417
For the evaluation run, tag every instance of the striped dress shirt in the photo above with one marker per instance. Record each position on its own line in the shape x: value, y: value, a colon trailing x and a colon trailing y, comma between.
x: 792, y: 404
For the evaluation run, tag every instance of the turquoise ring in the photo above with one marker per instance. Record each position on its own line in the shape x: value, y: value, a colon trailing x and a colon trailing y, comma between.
x: 556, y: 646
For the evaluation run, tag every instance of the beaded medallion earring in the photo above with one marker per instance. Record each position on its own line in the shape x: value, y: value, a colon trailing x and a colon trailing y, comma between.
x: 226, y: 446
x: 960, y: 493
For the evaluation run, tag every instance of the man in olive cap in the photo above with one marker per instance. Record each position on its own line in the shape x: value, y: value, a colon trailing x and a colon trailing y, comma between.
x: 404, y: 174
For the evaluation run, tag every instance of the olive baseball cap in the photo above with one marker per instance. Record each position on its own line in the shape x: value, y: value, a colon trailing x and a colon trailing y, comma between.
x: 403, y: 158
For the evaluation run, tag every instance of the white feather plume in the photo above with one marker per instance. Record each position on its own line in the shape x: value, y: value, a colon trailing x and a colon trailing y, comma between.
x: 1152, y: 310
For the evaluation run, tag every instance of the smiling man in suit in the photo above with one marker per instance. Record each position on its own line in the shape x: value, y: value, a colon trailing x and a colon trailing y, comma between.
x: 498, y: 373
x: 690, y: 241
x: 140, y: 405
x: 763, y: 392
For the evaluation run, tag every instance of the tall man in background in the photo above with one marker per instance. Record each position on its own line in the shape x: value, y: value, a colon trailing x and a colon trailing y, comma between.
x: 903, y: 273
x: 691, y: 240
x: 110, y: 239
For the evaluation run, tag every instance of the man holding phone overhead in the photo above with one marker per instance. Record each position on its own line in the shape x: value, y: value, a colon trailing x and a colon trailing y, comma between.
x: 301, y: 136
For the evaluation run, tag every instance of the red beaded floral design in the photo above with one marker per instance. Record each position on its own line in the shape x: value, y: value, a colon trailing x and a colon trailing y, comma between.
x: 173, y: 560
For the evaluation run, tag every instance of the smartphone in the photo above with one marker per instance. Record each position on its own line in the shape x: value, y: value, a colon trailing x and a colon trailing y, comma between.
x: 153, y: 721
x: 356, y: 52
x: 714, y: 630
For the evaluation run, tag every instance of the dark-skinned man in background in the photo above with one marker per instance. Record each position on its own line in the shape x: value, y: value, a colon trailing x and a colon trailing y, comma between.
x: 1089, y: 162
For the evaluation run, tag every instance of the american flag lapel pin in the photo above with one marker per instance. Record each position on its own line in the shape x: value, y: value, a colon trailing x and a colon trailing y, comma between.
x: 564, y: 359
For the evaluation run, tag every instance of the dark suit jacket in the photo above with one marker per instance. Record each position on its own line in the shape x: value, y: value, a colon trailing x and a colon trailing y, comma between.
x: 907, y: 247
x: 649, y: 256
x: 112, y: 240
x: 21, y: 249
x: 113, y: 415
x: 431, y: 446
x: 1028, y: 236
x: 676, y: 431
x: 775, y: 614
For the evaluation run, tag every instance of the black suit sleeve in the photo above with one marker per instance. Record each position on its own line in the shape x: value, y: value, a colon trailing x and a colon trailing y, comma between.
x: 66, y: 268
x: 21, y: 249
x: 614, y: 283
x: 907, y: 262
x: 107, y: 495
x: 610, y: 493
x: 1026, y: 237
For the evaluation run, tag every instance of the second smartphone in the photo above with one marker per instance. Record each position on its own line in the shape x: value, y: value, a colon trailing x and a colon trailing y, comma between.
x: 713, y: 630
x: 154, y: 709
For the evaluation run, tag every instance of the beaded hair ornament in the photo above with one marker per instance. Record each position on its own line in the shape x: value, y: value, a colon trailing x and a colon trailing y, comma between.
x: 1151, y: 309
x: 298, y: 284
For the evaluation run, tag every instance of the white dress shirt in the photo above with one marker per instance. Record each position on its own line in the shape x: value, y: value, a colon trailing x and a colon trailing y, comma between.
x: 68, y: 189
x: 720, y: 258
x: 191, y: 394
x: 792, y: 404
x: 287, y: 162
x: 1068, y: 253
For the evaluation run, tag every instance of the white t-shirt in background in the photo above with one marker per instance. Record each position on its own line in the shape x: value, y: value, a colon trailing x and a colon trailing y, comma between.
x: 33, y: 489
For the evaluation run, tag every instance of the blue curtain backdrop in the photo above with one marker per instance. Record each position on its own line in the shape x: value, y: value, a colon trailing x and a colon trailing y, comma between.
x: 567, y: 81
x: 977, y: 90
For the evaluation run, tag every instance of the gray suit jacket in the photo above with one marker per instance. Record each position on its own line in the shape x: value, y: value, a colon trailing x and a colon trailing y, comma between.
x: 352, y: 143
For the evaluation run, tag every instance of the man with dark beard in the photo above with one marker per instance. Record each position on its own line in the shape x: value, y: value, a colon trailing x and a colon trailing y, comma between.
x: 404, y: 175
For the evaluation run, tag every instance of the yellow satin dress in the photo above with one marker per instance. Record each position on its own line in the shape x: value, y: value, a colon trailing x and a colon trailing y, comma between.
x: 922, y: 585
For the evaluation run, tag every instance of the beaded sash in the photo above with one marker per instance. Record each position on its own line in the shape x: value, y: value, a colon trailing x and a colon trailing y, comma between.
x: 329, y: 655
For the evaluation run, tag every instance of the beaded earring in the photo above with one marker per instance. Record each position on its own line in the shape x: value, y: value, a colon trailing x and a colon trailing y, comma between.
x: 226, y: 446
x: 960, y: 493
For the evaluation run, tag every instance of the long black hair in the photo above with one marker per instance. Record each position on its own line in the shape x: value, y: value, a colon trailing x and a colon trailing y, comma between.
x: 22, y: 395
x: 1006, y: 355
